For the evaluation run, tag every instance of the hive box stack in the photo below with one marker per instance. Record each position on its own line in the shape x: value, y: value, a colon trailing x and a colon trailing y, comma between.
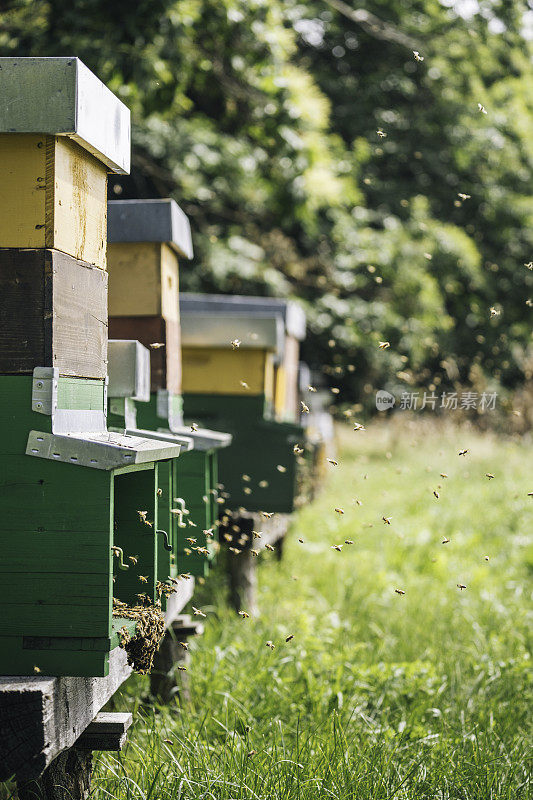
x: 146, y: 239
x: 70, y: 491
x: 240, y: 374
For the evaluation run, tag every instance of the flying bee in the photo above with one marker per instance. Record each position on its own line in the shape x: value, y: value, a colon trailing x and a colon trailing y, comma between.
x: 486, y: 558
x: 357, y: 501
x: 254, y: 552
x: 191, y: 524
x: 297, y: 450
x: 463, y: 196
x: 337, y: 547
x: 236, y: 343
x: 399, y: 591
x: 381, y: 133
x: 305, y: 408
x: 143, y: 579
x: 332, y: 462
x: 185, y: 575
x: 269, y: 547
x: 437, y: 495
x: 383, y: 345
x: 244, y: 384
x: 445, y: 540
x: 386, y: 520
x: 461, y: 586
x: 281, y: 468
x: 335, y: 390
x: 358, y: 427
x: 256, y: 534
x: 246, y: 478
x: 203, y: 551
x: 190, y: 540
x: 168, y: 741
x: 160, y: 492
x: 267, y: 514
x: 339, y: 510
x: 247, y: 490
x: 194, y: 427
x: 234, y: 550
x: 348, y: 541
x: 157, y: 345
x: 417, y: 56
x: 290, y: 637
x: 182, y: 668
x: 311, y: 389
x: 300, y: 540
x: 208, y: 533
x: 36, y: 669
x: 529, y: 265
x: 489, y: 475
x: 494, y: 312
x: 228, y: 537
x: 198, y: 612
x: 263, y: 484
x: 530, y: 494
x: 270, y: 644
x: 243, y: 614
x: 142, y: 515
x: 481, y: 108
x: 463, y: 452
x: 443, y: 475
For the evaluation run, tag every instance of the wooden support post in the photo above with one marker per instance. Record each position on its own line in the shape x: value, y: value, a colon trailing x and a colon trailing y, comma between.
x: 171, y: 655
x: 242, y: 574
x: 67, y: 778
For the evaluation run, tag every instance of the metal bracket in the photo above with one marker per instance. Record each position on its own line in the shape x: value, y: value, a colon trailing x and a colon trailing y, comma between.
x: 44, y: 390
x: 166, y: 543
x: 119, y: 553
x: 180, y: 512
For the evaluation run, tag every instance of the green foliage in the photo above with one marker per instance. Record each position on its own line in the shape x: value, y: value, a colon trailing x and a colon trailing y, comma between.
x: 378, y: 695
x: 261, y: 118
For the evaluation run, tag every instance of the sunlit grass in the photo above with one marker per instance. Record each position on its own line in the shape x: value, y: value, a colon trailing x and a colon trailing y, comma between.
x: 378, y: 695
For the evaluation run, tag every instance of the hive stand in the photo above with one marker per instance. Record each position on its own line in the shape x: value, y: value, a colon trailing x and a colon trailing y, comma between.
x: 69, y: 490
x: 240, y: 374
x: 146, y: 238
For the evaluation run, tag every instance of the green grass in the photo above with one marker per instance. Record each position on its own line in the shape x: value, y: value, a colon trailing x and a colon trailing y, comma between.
x: 379, y: 695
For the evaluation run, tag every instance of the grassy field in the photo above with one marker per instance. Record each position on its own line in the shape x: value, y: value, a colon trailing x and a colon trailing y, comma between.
x: 379, y: 695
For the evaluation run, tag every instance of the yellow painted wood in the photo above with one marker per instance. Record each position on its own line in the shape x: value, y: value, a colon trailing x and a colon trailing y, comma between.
x: 52, y: 194
x: 280, y: 389
x: 22, y: 190
x: 143, y: 280
x: 215, y: 371
x: 80, y: 203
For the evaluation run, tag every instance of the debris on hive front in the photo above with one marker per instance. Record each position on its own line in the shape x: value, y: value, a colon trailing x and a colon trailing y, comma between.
x: 149, y: 631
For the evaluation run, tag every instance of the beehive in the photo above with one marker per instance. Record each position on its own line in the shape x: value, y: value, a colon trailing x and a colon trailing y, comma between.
x: 240, y: 370
x: 70, y: 490
x: 146, y: 239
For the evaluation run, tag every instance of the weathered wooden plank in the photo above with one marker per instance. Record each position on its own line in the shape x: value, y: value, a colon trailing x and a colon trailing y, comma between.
x: 54, y: 314
x: 107, y: 731
x: 40, y: 717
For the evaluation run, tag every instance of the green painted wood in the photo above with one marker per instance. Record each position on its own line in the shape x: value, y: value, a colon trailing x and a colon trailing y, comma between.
x: 51, y: 551
x: 85, y: 619
x: 80, y: 393
x: 17, y: 660
x: 134, y: 492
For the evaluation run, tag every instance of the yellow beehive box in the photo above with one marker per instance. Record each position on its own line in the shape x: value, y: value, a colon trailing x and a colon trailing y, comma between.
x: 221, y: 371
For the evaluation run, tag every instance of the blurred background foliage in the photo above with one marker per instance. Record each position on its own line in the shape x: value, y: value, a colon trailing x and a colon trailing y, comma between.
x: 318, y: 157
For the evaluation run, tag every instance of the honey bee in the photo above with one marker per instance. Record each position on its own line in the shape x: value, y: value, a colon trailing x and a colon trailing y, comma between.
x: 311, y: 389
x: 445, y: 540
x: 269, y: 547
x: 168, y: 741
x: 270, y: 644
x: 157, y: 345
x: 443, y: 475
x: 244, y: 384
x: 463, y: 196
x: 461, y: 586
x: 190, y: 540
x: 486, y: 558
x: 481, y: 108
x: 381, y: 133
x: 281, y: 468
x: 290, y: 637
x: 386, y: 520
x: 143, y: 579
x: 417, y: 56
x: 243, y: 614
x: 300, y: 540
x: 489, y: 475
x: 529, y: 265
x: 348, y: 541
x: 254, y: 552
x: 494, y: 312
x: 463, y: 452
x: 358, y: 427
x: 246, y: 478
x: 194, y: 427
x: 185, y: 575
x: 305, y: 408
x: 263, y: 484
x: 203, y: 551
x: 228, y: 537
x: 36, y: 669
x: 234, y: 550
x: 383, y: 345
x: 267, y: 514
x: 399, y: 591
x: 332, y: 462
x: 256, y: 534
x: 191, y: 524
x: 337, y: 547
x: 236, y: 343
x: 198, y: 612
x: 182, y: 668
x: 297, y: 450
x: 437, y: 495
x: 335, y: 390
x: 247, y: 490
x: 357, y: 501
x: 530, y: 494
x: 339, y: 510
